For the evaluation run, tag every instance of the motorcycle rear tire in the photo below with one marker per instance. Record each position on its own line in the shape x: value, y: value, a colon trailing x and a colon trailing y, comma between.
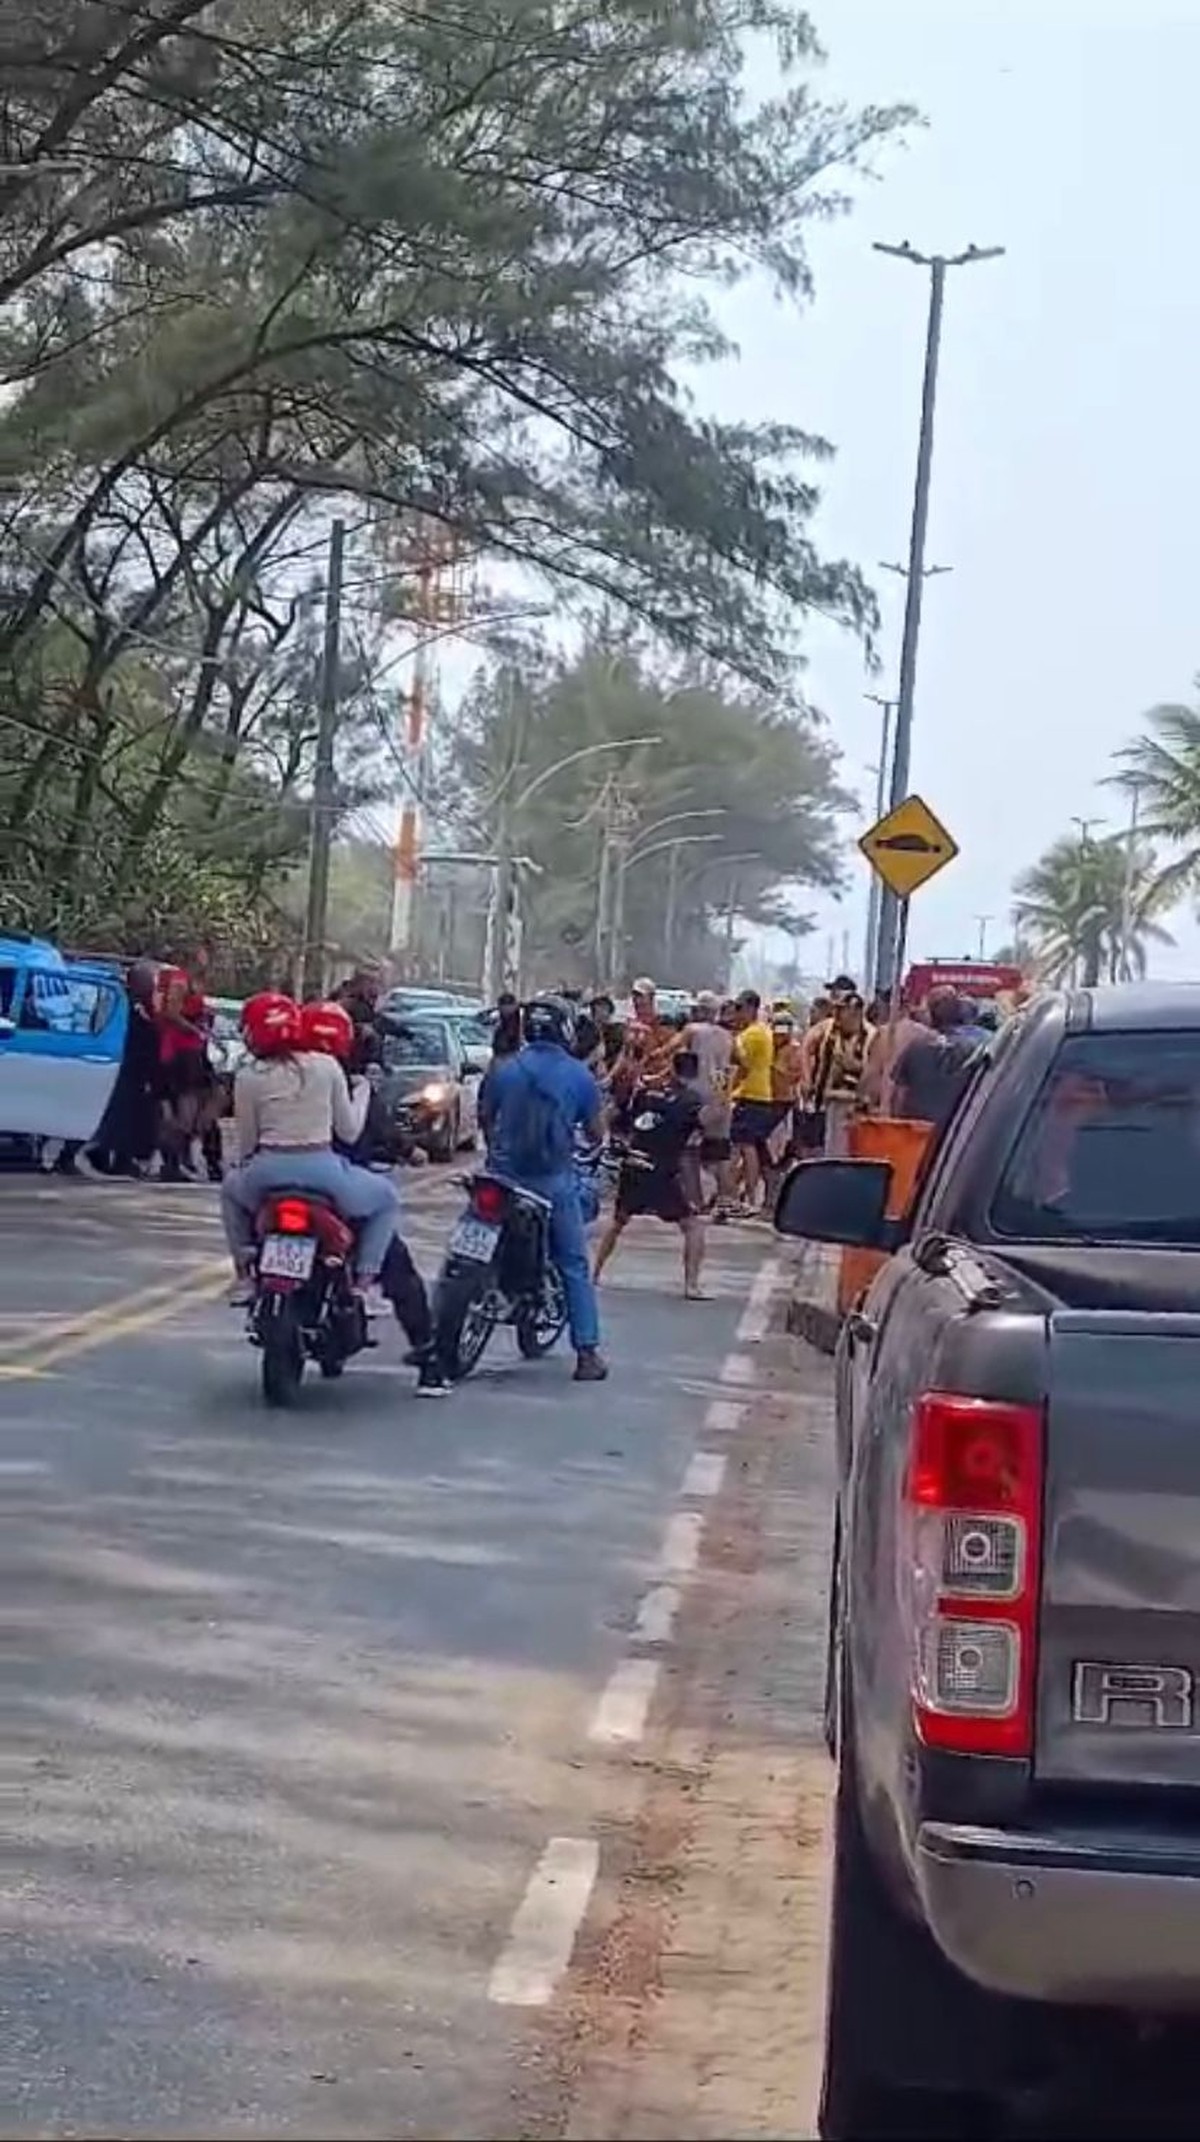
x: 282, y: 1359
x: 539, y: 1330
x: 461, y: 1339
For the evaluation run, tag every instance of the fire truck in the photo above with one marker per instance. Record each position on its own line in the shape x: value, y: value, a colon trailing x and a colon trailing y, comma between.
x: 983, y: 981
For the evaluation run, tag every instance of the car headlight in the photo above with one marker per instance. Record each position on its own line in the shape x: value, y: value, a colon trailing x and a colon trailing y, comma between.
x: 435, y: 1093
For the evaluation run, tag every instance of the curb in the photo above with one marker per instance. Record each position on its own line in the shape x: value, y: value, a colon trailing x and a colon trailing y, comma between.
x: 814, y: 1322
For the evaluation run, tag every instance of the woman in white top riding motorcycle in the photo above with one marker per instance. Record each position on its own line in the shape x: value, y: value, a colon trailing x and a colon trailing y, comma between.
x: 289, y: 1105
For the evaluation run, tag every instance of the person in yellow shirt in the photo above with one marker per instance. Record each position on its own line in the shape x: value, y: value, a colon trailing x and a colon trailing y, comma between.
x: 754, y: 1111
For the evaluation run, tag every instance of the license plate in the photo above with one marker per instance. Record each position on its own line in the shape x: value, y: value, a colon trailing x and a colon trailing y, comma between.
x: 474, y: 1239
x: 287, y: 1256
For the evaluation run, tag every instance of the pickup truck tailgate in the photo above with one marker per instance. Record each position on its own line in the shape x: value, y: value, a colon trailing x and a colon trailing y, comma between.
x: 1119, y: 1655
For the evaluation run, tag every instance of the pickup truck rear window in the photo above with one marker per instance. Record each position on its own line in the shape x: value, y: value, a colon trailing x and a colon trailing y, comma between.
x: 1110, y: 1151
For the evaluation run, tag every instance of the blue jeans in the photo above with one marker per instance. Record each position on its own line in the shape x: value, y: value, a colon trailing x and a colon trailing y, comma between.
x: 368, y: 1200
x: 568, y: 1249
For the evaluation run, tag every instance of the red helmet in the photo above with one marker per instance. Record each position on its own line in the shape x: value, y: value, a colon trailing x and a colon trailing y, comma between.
x: 327, y: 1028
x: 271, y: 1023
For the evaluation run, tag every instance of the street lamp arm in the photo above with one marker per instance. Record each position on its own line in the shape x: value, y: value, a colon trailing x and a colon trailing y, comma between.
x: 574, y: 758
x: 679, y: 840
x: 677, y: 818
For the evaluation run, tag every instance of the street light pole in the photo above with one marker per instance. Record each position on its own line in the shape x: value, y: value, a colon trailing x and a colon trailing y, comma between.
x: 1130, y: 883
x: 937, y: 264
x: 625, y: 855
x: 508, y: 811
x: 887, y: 708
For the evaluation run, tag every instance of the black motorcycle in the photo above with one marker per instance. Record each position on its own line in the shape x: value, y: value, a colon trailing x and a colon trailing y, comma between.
x: 305, y: 1307
x: 497, y: 1270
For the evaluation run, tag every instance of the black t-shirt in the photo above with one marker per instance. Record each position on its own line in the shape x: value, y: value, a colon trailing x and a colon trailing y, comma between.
x: 661, y: 1125
x: 366, y: 1048
x: 930, y: 1074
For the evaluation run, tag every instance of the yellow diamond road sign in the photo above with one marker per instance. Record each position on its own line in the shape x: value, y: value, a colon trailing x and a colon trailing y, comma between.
x: 908, y: 847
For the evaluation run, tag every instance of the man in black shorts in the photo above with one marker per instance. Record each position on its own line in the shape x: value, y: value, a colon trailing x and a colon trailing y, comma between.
x: 659, y: 1178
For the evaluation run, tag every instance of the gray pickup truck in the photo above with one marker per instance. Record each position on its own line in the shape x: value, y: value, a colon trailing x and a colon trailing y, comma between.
x: 1015, y: 1603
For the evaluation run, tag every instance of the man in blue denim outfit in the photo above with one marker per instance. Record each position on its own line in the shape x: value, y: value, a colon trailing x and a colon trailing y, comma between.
x: 530, y: 1107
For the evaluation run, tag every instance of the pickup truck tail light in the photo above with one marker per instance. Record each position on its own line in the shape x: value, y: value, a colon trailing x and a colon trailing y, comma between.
x: 972, y: 1571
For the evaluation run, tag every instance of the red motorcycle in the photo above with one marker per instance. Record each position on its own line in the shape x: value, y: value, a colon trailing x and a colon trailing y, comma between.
x: 305, y: 1305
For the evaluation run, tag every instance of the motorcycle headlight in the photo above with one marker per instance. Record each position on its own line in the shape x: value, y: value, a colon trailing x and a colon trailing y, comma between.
x: 435, y: 1093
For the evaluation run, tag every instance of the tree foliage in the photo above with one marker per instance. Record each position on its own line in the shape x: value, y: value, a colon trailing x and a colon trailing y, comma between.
x: 1162, y: 768
x: 1070, y: 908
x: 718, y: 798
x: 444, y: 261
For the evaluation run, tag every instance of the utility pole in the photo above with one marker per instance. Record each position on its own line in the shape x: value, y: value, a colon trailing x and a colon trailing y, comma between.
x: 1129, y: 887
x: 316, y: 918
x: 604, y: 807
x: 730, y: 914
x: 622, y: 826
x: 874, y: 893
x: 503, y: 880
x: 983, y: 921
x: 672, y: 901
x: 1088, y: 953
x: 937, y: 263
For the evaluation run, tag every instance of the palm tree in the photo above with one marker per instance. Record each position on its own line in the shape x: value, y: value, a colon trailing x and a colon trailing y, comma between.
x: 1161, y: 770
x: 1070, y: 905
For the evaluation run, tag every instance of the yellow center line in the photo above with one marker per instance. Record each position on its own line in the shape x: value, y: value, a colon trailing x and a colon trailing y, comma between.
x: 124, y: 1313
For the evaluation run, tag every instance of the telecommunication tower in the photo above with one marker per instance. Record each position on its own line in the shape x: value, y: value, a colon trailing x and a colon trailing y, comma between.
x: 434, y: 555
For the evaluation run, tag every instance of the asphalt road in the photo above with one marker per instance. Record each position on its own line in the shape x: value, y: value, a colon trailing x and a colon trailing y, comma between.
x: 293, y: 1705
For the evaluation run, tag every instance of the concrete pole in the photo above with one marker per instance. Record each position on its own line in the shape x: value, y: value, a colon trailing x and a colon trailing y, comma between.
x: 1129, y: 887
x: 889, y: 949
x: 882, y: 784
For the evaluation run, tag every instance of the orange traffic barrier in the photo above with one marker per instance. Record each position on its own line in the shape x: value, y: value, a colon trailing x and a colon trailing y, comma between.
x: 904, y: 1143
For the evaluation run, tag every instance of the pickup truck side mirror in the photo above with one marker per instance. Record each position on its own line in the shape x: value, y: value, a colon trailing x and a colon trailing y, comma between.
x: 841, y: 1201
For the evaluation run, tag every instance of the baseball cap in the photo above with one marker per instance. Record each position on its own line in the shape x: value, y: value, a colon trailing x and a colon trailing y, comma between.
x: 643, y: 987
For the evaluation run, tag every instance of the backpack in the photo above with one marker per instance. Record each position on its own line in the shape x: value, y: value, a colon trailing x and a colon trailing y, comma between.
x: 539, y: 1139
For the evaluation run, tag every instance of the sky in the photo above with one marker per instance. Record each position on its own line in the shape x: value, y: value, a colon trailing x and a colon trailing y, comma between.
x: 1067, y: 458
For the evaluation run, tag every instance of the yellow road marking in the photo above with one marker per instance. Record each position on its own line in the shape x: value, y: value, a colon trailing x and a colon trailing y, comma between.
x: 114, y: 1319
x: 52, y: 1327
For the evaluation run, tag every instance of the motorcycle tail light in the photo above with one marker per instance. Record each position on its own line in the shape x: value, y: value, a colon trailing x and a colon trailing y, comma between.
x: 293, y: 1216
x: 488, y: 1200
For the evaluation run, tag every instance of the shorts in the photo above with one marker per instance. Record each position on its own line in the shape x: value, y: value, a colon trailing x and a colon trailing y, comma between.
x: 653, y: 1194
x: 713, y: 1151
x: 754, y: 1121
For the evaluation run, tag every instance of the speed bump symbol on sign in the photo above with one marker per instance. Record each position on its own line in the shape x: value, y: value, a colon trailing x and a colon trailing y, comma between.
x: 908, y: 847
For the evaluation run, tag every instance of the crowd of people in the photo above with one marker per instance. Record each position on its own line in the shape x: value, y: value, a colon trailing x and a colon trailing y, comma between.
x: 708, y: 1107
x: 164, y: 1113
x: 702, y: 1110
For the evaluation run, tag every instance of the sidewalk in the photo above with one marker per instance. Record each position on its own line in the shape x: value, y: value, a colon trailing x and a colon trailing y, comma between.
x: 698, y: 2012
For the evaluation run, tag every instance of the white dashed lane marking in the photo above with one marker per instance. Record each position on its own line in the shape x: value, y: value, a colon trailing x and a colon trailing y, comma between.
x: 620, y: 1716
x: 755, y: 1321
x: 680, y: 1550
x: 546, y: 1923
x: 703, y: 1476
x: 725, y: 1416
x: 737, y: 1368
x: 655, y: 1623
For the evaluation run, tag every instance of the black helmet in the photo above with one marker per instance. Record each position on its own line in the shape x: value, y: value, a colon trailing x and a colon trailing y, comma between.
x: 550, y: 1019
